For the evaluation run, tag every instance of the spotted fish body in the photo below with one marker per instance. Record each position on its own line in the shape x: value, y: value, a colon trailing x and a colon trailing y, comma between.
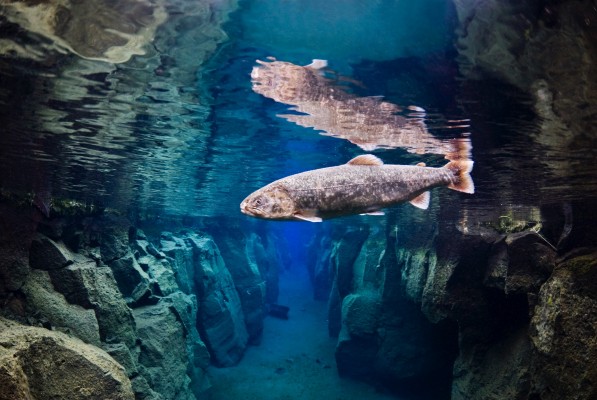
x: 368, y: 122
x: 362, y: 186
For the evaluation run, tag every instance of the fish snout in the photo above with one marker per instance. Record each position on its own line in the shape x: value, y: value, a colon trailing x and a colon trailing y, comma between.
x: 245, y: 208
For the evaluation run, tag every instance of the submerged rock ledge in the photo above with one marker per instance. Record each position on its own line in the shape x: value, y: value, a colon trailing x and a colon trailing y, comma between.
x: 155, y: 311
x: 483, y: 314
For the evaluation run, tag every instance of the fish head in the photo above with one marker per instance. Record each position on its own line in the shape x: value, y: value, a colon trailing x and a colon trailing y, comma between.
x: 285, y: 82
x: 270, y: 202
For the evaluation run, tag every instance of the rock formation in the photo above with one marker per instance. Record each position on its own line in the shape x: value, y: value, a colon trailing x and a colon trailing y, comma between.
x: 160, y: 309
x: 42, y: 364
x: 484, y: 314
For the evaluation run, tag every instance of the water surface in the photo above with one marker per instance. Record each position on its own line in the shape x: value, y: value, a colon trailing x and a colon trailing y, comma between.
x: 179, y: 130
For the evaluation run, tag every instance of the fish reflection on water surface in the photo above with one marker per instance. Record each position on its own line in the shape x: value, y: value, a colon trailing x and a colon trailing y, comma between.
x: 368, y: 122
x: 364, y: 185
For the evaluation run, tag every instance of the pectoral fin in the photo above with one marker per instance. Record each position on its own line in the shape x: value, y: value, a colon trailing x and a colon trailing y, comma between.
x: 374, y: 213
x: 421, y: 201
x: 317, y: 64
x: 307, y: 216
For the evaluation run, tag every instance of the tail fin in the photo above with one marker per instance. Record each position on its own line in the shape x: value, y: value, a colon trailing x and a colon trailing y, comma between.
x: 462, y: 178
x: 460, y: 149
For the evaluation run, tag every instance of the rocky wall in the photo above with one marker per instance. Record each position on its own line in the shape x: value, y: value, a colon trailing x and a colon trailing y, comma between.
x: 485, y: 314
x: 157, y: 310
x: 383, y: 338
x: 253, y: 264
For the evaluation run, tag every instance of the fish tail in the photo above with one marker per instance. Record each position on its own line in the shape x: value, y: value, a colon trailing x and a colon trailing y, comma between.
x: 460, y: 149
x: 461, y: 169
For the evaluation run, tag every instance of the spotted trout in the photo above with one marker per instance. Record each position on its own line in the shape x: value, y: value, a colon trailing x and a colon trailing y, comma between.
x: 364, y: 185
x: 320, y: 103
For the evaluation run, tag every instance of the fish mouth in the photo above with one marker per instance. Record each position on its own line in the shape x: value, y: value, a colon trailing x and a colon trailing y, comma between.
x: 245, y: 209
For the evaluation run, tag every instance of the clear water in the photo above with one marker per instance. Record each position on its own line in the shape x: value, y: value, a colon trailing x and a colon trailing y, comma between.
x: 178, y: 132
x: 161, y: 135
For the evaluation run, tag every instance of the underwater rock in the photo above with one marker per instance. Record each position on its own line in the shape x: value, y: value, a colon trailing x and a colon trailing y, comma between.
x: 166, y: 358
x: 180, y: 256
x: 131, y: 279
x: 360, y: 314
x: 355, y: 356
x: 50, y: 305
x: 521, y: 262
x: 41, y: 364
x: 344, y: 256
x: 161, y: 272
x: 278, y: 311
x: 435, y: 300
x: 185, y: 308
x: 321, y: 271
x: 384, y: 338
x: 47, y: 254
x: 250, y: 284
x: 17, y: 230
x: 123, y: 356
x: 142, y: 389
x: 95, y: 287
x: 220, y: 317
x: 267, y: 260
x: 563, y: 331
x: 494, y: 370
x: 163, y: 356
x: 114, y: 237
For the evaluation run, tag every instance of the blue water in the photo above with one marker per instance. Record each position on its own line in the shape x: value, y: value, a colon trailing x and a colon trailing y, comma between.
x: 177, y: 137
x: 245, y: 124
x: 161, y: 135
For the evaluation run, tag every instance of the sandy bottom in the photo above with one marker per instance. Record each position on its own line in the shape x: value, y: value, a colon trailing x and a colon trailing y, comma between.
x: 295, y: 359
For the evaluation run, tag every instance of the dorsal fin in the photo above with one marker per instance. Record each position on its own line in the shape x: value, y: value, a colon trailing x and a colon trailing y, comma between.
x: 317, y: 64
x: 365, y: 159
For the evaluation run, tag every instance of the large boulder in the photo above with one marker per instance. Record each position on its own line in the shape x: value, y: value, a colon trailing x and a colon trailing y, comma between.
x: 94, y: 287
x: 36, y: 363
x: 358, y: 343
x: 48, y: 254
x: 44, y: 302
x: 563, y: 331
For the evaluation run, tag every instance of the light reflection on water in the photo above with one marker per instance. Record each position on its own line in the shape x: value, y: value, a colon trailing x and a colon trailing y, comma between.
x: 153, y: 135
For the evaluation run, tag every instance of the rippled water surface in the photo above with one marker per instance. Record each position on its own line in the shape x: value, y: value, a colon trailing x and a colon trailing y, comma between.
x: 179, y: 130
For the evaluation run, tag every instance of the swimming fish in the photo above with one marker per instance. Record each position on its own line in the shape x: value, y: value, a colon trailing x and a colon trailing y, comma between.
x: 368, y: 122
x: 364, y: 185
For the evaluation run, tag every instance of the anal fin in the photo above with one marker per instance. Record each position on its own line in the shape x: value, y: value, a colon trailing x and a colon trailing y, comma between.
x: 421, y: 201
